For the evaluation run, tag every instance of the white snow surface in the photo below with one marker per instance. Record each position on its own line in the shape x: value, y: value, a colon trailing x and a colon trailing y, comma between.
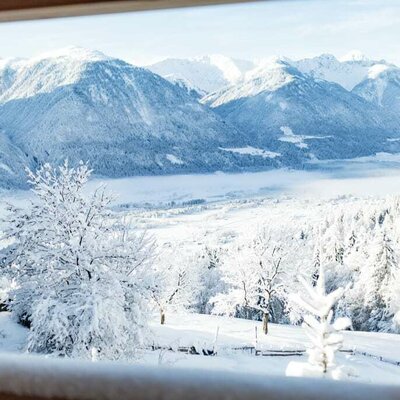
x: 347, y: 72
x: 174, y: 159
x: 212, y: 73
x: 252, y: 151
x: 235, y: 335
x: 267, y: 78
x: 298, y: 140
x: 282, y: 198
x: 207, y: 73
x: 185, y: 330
x: 66, y: 66
x: 12, y: 335
x: 376, y: 70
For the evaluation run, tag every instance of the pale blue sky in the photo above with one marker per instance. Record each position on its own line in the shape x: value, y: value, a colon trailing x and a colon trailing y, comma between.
x: 295, y: 29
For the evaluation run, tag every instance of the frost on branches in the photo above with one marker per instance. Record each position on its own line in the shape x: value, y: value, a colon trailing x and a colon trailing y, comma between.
x: 325, y: 336
x: 81, y: 276
x: 377, y: 282
x: 256, y: 278
x: 177, y: 282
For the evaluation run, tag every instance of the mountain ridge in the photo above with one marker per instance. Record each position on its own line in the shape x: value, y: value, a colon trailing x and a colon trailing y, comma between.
x: 127, y: 120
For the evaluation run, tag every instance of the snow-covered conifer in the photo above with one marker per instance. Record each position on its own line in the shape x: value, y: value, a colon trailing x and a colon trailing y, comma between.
x: 377, y: 280
x: 324, y: 335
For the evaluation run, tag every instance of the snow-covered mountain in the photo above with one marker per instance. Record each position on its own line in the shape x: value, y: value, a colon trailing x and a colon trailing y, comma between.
x: 125, y: 120
x: 382, y: 88
x: 299, y: 117
x: 204, y: 74
x: 187, y: 86
x: 213, y: 73
x: 12, y: 159
x: 8, y: 68
x: 348, y: 72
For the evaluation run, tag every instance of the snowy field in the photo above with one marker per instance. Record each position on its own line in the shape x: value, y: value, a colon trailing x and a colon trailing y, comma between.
x: 365, y: 176
x: 217, y: 208
x: 372, y: 356
x: 361, y: 351
x: 236, y: 206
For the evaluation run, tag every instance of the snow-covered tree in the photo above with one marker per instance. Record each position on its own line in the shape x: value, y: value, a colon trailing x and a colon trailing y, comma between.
x: 325, y: 336
x: 376, y: 280
x: 395, y: 302
x: 210, y: 277
x: 268, y: 273
x: 316, y: 264
x: 237, y: 298
x: 82, y: 277
x: 255, y: 277
x: 178, y: 282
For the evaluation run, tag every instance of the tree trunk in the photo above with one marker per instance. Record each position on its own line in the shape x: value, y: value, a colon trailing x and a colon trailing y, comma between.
x: 265, y: 322
x: 162, y: 317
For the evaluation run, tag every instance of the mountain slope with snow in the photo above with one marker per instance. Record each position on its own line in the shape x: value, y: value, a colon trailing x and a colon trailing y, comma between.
x: 8, y: 71
x: 123, y: 119
x: 382, y: 88
x: 289, y: 112
x: 205, y: 74
x: 347, y: 72
x: 126, y: 120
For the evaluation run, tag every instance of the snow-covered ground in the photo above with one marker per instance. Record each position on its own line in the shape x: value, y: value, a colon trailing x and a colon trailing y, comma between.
x: 365, y: 176
x: 218, y: 208
x: 235, y: 347
x: 12, y: 335
x: 185, y: 330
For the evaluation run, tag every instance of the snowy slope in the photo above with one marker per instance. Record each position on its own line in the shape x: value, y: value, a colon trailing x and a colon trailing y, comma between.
x: 68, y: 103
x: 205, y: 74
x: 187, y: 86
x: 12, y: 159
x: 200, y: 331
x: 186, y: 330
x: 348, y: 72
x: 13, y: 162
x: 279, y: 113
x: 291, y: 113
x: 12, y: 336
x: 8, y: 70
x: 382, y: 88
x: 212, y: 73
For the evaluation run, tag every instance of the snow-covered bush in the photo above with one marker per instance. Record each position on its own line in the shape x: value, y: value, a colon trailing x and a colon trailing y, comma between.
x: 82, y: 277
x: 324, y: 334
x: 210, y: 279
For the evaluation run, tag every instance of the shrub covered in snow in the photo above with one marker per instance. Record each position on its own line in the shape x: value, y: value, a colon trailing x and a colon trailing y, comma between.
x: 82, y: 276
